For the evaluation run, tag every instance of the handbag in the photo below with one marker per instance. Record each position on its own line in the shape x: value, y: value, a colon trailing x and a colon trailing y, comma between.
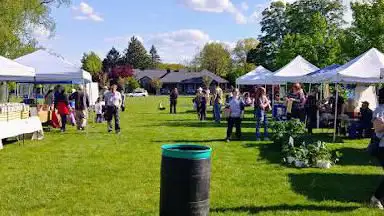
x: 374, y: 145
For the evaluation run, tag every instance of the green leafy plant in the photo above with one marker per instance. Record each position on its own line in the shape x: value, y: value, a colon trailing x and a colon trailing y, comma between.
x: 282, y: 130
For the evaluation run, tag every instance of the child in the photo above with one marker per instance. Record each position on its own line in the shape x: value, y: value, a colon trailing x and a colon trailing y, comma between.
x: 236, y: 107
x: 99, y: 110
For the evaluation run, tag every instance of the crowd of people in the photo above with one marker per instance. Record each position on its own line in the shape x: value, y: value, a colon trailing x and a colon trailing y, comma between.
x: 75, y: 107
x: 306, y: 107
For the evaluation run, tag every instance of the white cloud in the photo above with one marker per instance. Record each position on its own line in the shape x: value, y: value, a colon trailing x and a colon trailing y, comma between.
x: 86, y: 13
x: 216, y: 6
x: 244, y: 6
x: 173, y: 47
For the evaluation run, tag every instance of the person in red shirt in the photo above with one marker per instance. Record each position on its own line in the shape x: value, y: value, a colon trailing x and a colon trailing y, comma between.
x: 62, y: 107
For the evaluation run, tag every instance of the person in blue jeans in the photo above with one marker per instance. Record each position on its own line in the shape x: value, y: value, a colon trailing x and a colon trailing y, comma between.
x: 262, y: 105
x: 217, y: 102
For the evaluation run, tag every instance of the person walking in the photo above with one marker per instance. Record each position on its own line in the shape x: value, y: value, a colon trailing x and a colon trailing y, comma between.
x: 217, y: 102
x: 261, y: 105
x: 236, y: 107
x: 81, y: 107
x: 62, y: 107
x: 113, y: 102
x: 173, y: 100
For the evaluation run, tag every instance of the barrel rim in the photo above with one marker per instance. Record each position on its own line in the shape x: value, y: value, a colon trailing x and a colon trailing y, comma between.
x: 171, y: 150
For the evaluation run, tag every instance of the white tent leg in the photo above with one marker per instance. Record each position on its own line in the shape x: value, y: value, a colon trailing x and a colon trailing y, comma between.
x: 335, y: 121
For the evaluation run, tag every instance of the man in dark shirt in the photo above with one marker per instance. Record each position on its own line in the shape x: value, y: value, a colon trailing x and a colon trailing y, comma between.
x: 81, y: 107
x: 365, y: 120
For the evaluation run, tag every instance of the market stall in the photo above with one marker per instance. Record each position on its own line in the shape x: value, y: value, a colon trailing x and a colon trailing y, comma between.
x: 15, y: 118
x: 294, y: 70
x: 364, y: 69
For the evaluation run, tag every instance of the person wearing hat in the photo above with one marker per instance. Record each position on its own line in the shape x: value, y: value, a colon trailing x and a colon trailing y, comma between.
x: 201, y: 104
x: 81, y: 107
x: 113, y: 101
x: 365, y: 124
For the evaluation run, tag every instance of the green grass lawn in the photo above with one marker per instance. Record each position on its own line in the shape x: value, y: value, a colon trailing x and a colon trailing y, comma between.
x: 96, y: 173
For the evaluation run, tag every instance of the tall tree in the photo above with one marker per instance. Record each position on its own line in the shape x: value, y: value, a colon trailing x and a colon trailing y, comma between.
x: 216, y: 58
x: 172, y: 67
x: 368, y: 26
x: 136, y: 55
x: 155, y: 58
x: 301, y: 12
x: 112, y: 60
x: 19, y: 19
x: 273, y: 28
x: 241, y: 51
x: 91, y: 62
x: 316, y: 45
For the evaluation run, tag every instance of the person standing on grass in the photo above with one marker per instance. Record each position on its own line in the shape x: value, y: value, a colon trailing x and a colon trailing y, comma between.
x: 311, y: 107
x: 217, y: 102
x: 113, y: 103
x: 377, y: 149
x: 236, y: 107
x: 62, y: 106
x: 173, y: 101
x: 81, y: 107
x: 262, y: 105
x: 99, y: 110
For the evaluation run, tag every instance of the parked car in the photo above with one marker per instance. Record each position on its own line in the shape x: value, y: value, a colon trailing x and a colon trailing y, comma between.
x: 138, y: 93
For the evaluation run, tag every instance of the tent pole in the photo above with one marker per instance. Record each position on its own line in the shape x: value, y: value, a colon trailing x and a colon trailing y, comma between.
x: 273, y: 96
x: 318, y: 111
x: 335, y: 120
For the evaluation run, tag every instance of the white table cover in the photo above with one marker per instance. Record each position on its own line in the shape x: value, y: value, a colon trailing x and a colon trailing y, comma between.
x: 21, y: 126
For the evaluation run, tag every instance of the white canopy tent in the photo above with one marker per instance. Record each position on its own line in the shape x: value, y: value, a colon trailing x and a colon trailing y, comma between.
x: 294, y: 70
x: 51, y: 68
x: 254, y: 77
x: 13, y: 71
x: 365, y: 68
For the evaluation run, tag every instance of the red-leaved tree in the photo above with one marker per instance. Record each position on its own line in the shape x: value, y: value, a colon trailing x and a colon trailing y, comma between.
x: 122, y: 71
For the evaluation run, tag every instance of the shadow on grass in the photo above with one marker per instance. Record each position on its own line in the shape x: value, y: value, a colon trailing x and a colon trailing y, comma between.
x: 354, y: 156
x: 192, y: 141
x: 268, y: 151
x: 285, y: 207
x: 334, y: 187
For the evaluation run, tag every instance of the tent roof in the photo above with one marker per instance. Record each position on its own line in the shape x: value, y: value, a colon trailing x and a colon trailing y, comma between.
x: 364, y: 68
x: 53, y: 68
x: 296, y: 68
x: 13, y: 71
x: 320, y: 75
x: 248, y: 77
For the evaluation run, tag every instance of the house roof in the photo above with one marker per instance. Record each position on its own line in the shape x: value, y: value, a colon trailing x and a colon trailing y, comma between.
x: 152, y: 74
x: 176, y: 77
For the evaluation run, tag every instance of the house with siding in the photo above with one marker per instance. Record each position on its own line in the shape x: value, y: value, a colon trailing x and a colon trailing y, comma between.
x: 186, y: 82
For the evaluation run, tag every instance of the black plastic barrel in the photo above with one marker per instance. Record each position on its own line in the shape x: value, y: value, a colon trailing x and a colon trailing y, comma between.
x: 185, y: 179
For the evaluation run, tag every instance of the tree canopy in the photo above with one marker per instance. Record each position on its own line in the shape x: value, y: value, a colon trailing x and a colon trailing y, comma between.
x: 91, y: 62
x: 136, y: 55
x: 216, y: 58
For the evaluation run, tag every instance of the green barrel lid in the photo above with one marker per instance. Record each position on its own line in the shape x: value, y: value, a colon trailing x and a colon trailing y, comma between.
x: 186, y: 151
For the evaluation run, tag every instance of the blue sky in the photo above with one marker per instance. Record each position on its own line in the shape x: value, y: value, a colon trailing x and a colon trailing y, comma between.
x: 178, y: 28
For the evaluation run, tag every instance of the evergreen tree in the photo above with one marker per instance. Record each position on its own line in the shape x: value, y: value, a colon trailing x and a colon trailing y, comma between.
x: 112, y: 60
x: 136, y: 55
x: 155, y: 58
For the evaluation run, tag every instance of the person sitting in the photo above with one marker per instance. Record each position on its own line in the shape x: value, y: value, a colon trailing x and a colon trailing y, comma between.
x: 366, y: 125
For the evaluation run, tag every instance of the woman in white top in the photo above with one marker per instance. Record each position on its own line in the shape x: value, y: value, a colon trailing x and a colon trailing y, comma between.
x: 236, y: 106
